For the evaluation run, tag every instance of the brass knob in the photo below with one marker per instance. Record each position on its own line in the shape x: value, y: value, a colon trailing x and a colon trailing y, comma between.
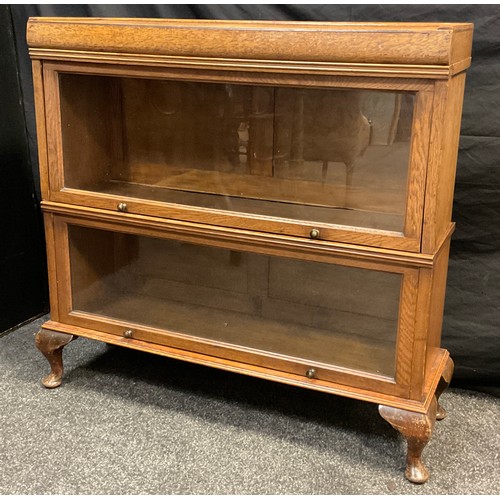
x: 128, y: 334
x: 122, y: 207
x: 311, y: 373
x: 314, y: 234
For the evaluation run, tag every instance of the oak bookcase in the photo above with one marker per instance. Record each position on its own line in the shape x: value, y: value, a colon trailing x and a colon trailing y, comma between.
x: 268, y: 198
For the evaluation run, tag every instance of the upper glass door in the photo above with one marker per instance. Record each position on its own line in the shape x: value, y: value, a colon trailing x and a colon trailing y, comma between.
x: 287, y: 159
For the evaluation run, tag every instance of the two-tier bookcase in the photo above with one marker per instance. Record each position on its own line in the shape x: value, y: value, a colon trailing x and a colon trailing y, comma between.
x: 268, y: 198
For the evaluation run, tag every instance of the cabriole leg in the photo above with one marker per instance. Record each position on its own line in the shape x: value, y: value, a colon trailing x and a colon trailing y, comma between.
x: 444, y: 382
x: 417, y: 430
x: 51, y: 345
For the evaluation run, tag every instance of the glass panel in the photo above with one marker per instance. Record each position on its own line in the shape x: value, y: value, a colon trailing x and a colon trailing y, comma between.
x: 314, y: 311
x: 315, y: 155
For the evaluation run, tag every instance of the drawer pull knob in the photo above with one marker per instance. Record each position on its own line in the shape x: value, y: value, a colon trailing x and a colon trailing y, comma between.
x: 311, y: 373
x: 127, y: 334
x: 314, y: 234
x: 122, y: 207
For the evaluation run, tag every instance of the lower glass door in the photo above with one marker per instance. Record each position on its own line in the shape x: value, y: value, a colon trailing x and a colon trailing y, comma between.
x: 295, y: 309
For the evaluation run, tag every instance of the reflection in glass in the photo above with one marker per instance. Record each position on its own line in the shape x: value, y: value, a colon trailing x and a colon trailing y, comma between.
x: 318, y: 312
x: 319, y: 155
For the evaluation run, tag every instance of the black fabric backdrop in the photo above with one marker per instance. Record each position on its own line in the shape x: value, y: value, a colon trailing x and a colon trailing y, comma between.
x: 471, y: 329
x: 23, y: 275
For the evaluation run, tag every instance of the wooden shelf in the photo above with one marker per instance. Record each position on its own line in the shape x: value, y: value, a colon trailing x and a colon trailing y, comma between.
x: 269, y: 188
x: 293, y: 211
x: 313, y: 345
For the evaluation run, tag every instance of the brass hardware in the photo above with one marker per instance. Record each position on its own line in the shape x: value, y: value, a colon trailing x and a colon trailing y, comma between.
x: 122, y: 207
x: 314, y: 234
x: 127, y: 334
x: 311, y: 373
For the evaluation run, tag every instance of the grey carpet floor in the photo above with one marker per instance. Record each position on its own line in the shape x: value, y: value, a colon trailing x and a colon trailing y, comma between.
x: 125, y: 422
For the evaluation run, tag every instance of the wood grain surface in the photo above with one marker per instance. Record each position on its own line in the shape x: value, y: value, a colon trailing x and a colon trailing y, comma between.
x: 240, y: 239
x: 420, y: 406
x: 433, y: 44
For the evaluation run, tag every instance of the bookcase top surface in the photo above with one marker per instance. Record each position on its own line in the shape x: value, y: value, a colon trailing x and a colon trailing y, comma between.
x: 422, y: 44
x: 257, y: 23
